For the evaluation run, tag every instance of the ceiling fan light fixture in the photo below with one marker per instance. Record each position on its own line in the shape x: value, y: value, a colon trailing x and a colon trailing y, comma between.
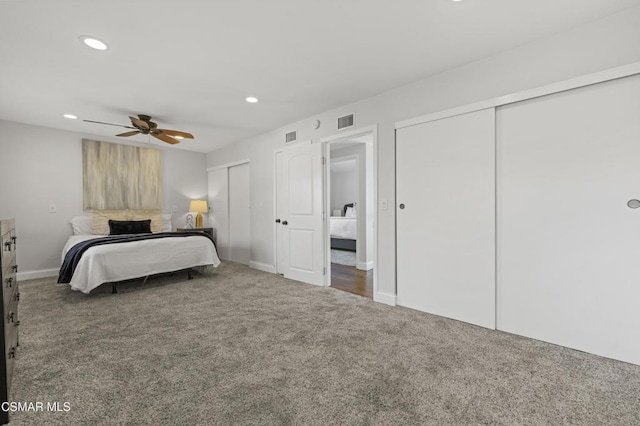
x: 251, y: 99
x: 94, y: 43
x: 70, y: 116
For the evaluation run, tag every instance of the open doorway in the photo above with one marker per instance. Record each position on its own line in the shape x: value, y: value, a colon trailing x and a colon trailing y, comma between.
x: 350, y: 193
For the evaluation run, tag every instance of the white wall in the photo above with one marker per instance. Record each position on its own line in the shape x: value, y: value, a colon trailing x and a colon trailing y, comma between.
x: 600, y: 45
x: 343, y: 188
x: 42, y: 166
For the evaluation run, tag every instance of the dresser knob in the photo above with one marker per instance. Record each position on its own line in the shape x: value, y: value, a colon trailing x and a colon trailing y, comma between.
x: 15, y: 268
x: 7, y: 246
x: 11, y: 317
x: 10, y: 282
x: 12, y: 352
x: 17, y: 323
x: 17, y: 296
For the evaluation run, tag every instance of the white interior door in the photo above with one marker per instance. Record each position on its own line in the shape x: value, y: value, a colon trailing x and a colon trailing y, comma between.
x: 299, y: 198
x: 446, y: 217
x: 569, y: 244
x: 239, y: 214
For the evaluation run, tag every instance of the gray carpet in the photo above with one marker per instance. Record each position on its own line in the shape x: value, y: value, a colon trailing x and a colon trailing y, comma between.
x: 240, y: 346
x: 343, y: 257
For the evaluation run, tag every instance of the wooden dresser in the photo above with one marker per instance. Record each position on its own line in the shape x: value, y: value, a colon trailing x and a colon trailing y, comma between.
x: 10, y: 299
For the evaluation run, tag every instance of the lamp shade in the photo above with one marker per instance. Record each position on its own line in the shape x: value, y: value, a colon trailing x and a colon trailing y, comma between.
x: 199, y: 206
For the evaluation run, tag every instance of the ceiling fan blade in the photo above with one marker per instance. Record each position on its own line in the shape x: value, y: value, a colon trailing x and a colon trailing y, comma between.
x: 165, y: 138
x: 177, y: 133
x: 139, y: 123
x: 109, y: 124
x: 135, y: 132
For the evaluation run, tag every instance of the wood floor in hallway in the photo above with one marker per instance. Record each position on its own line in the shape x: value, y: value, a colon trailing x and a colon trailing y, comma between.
x: 352, y: 280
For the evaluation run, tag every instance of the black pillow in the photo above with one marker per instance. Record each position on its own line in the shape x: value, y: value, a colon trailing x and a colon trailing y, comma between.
x: 121, y: 227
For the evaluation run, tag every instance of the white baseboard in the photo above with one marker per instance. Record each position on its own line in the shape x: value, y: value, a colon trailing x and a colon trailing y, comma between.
x: 42, y: 273
x: 262, y: 267
x: 364, y: 266
x: 386, y: 298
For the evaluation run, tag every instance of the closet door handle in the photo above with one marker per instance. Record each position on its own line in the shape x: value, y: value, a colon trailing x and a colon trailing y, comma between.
x: 277, y: 220
x: 285, y: 223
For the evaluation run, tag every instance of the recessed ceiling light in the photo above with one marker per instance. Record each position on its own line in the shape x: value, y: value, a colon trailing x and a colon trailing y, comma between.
x: 71, y: 116
x: 94, y: 43
x: 251, y: 99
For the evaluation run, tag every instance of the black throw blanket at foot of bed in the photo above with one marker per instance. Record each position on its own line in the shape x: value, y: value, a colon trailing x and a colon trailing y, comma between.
x: 74, y: 255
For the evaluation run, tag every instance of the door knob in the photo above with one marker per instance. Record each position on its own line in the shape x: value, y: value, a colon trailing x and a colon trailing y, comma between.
x: 401, y: 206
x: 284, y: 222
x: 277, y: 220
x: 633, y: 204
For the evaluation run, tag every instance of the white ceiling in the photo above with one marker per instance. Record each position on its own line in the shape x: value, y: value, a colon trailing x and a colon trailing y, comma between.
x: 190, y: 64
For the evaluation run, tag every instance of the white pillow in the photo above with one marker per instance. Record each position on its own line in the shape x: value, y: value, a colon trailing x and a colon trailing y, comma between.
x: 82, y: 225
x: 351, y: 212
x: 166, y: 223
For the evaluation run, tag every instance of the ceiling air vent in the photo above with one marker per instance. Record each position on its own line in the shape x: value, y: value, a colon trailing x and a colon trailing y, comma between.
x: 346, y: 121
x: 291, y: 136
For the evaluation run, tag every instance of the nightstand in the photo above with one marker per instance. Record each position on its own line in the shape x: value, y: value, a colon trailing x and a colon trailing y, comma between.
x: 210, y: 231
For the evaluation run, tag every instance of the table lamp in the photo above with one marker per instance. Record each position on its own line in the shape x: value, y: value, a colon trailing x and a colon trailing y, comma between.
x: 199, y: 206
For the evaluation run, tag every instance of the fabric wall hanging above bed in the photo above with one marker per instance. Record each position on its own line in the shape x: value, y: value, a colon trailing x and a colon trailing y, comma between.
x: 118, y: 177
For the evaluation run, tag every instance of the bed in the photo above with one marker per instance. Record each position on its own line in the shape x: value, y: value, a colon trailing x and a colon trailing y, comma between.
x: 111, y: 259
x: 343, y: 229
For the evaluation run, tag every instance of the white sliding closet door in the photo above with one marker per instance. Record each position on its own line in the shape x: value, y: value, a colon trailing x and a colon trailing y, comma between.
x: 446, y: 230
x: 239, y: 214
x: 569, y: 244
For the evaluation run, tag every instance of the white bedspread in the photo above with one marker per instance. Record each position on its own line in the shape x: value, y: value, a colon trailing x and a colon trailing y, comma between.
x: 123, y: 261
x: 343, y: 227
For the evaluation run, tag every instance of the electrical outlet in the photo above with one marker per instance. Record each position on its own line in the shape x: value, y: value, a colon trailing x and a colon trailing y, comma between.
x: 53, y: 208
x: 384, y: 204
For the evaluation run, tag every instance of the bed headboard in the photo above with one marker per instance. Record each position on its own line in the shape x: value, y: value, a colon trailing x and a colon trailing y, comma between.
x: 100, y: 225
x: 344, y: 209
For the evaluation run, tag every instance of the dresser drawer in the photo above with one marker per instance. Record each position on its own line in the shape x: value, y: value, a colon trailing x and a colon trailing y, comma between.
x: 11, y: 348
x: 8, y: 249
x: 9, y: 284
x: 11, y: 323
x: 6, y: 225
x: 11, y: 338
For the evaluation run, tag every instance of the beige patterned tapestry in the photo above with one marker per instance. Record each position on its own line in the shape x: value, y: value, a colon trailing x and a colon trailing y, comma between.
x: 118, y: 177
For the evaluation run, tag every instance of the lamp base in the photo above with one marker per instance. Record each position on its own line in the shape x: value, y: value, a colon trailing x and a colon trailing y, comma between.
x: 199, y: 221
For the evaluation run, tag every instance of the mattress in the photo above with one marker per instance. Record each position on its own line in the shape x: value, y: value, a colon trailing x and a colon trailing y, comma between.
x: 343, y: 227
x: 123, y: 261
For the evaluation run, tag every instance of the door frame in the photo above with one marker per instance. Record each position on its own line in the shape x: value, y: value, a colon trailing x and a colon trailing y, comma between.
x: 341, y: 137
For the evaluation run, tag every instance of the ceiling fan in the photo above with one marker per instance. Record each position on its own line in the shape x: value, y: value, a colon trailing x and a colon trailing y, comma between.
x: 144, y: 125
